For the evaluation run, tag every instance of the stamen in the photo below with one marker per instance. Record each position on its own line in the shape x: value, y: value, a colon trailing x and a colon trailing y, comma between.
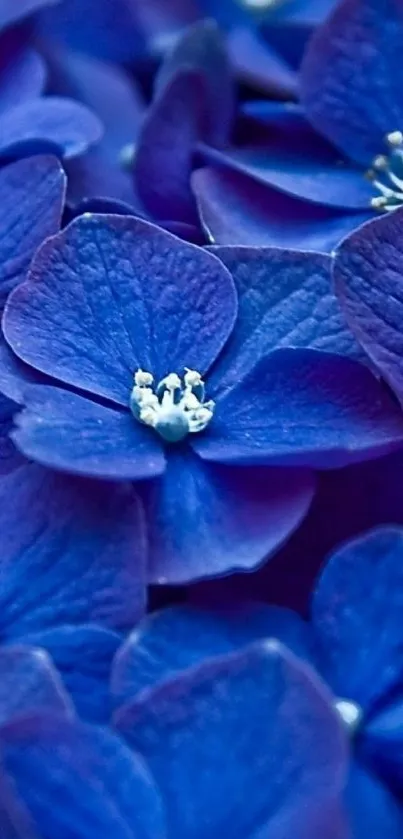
x: 386, y: 174
x: 350, y: 712
x: 175, y: 407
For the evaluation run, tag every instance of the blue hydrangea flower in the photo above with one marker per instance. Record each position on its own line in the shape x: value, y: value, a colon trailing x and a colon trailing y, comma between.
x: 172, y: 777
x: 351, y: 98
x: 71, y: 580
x: 30, y: 122
x: 353, y: 640
x: 160, y: 371
x: 12, y: 11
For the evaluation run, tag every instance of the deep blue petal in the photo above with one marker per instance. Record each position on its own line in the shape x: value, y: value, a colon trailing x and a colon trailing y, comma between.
x: 350, y: 82
x: 32, y: 196
x: 60, y: 123
x: 372, y: 809
x: 80, y: 781
x: 83, y: 656
x: 70, y: 433
x: 237, y: 210
x: 88, y: 313
x: 258, y: 64
x: 22, y: 71
x: 13, y: 10
x: 285, y: 298
x: 173, y: 639
x: 10, y: 457
x: 303, y: 407
x: 356, y: 614
x: 65, y: 561
x: 279, y: 753
x: 205, y: 520
x: 369, y: 285
x: 29, y: 682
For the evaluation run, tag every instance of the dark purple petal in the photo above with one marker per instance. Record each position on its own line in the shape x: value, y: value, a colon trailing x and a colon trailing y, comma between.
x: 111, y: 294
x: 285, y: 299
x: 368, y: 275
x: 303, y: 407
x: 258, y: 64
x: 73, y: 434
x: 169, y: 641
x: 22, y: 71
x: 207, y: 520
x: 83, y: 656
x: 331, y: 183
x: 351, y: 76
x: 29, y: 682
x: 13, y: 10
x: 62, y: 123
x: 237, y: 210
x: 79, y: 780
x: 164, y: 154
x: 279, y: 753
x: 32, y: 197
x: 92, y: 176
x: 66, y: 561
x: 201, y: 50
x: 357, y: 611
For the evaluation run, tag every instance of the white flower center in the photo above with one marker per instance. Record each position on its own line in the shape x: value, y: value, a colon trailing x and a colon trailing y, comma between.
x: 175, y: 407
x: 386, y: 174
x: 350, y: 713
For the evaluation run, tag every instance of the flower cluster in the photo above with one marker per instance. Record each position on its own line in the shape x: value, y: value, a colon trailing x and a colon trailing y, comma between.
x: 201, y: 419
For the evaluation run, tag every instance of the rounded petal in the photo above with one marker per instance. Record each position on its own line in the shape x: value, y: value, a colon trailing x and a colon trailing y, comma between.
x: 285, y: 299
x: 238, y: 210
x: 70, y: 433
x: 258, y: 64
x: 22, y: 71
x: 350, y: 82
x: 88, y: 312
x: 64, y: 125
x: 303, y: 407
x: 13, y: 10
x: 206, y: 520
x: 28, y: 683
x: 65, y: 561
x: 32, y: 197
x: 80, y: 780
x: 372, y: 809
x: 356, y: 614
x: 170, y: 641
x: 265, y: 712
x: 369, y: 286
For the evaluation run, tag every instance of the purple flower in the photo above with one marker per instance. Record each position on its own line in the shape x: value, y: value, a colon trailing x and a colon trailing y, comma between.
x: 353, y: 640
x: 159, y: 370
x: 30, y: 122
x: 172, y: 777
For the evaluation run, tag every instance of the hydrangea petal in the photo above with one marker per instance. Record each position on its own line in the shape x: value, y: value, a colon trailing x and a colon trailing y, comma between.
x: 369, y: 283
x: 13, y: 10
x: 88, y: 313
x: 80, y: 780
x: 285, y: 770
x: 70, y: 433
x: 63, y: 561
x: 169, y: 641
x: 22, y: 72
x: 83, y: 656
x: 382, y: 746
x: 29, y: 682
x: 366, y: 576
x: 63, y: 124
x: 304, y: 407
x: 206, y: 520
x: 237, y: 210
x: 201, y: 49
x: 285, y: 298
x: 305, y: 175
x: 32, y: 196
x: 373, y: 810
x: 258, y: 64
x: 350, y: 82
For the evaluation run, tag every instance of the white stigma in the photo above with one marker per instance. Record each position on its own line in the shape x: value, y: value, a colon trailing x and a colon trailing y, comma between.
x: 175, y: 407
x: 262, y: 5
x: 350, y: 713
x: 386, y: 174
